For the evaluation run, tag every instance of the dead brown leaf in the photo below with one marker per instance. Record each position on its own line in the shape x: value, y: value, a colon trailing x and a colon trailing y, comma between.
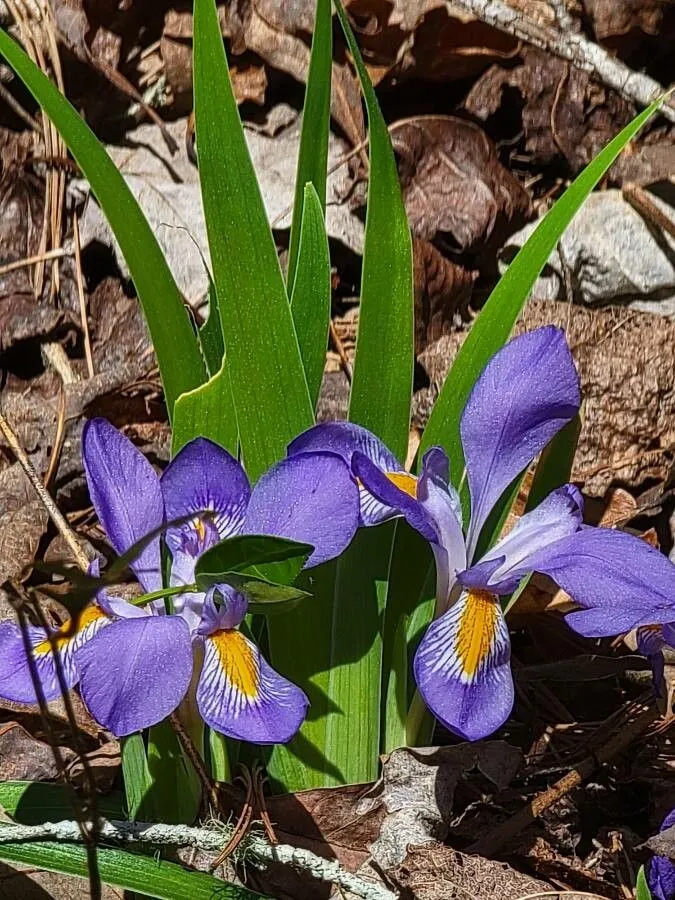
x: 566, y: 113
x: 613, y: 18
x: 442, y: 293
x: 425, y: 39
x: 23, y: 758
x: 453, y: 181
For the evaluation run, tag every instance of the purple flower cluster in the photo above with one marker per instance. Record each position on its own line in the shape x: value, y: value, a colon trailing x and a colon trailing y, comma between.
x: 135, y: 664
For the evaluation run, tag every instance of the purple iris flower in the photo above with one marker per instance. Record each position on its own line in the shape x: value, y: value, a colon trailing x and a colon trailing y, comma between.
x: 528, y: 391
x: 651, y: 642
x: 135, y: 664
x: 660, y: 870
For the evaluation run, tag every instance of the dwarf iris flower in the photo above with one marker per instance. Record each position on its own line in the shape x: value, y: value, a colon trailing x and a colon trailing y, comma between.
x: 528, y: 391
x: 135, y: 664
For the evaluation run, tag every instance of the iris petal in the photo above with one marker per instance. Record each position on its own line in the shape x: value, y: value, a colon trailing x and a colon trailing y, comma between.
x: 16, y: 683
x: 311, y: 498
x: 135, y: 672
x: 462, y: 667
x: 527, y: 392
x: 240, y: 695
x: 345, y: 439
x: 125, y: 491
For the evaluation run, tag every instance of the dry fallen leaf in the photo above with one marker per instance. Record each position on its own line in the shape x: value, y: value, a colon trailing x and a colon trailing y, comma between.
x: 453, y: 181
x: 611, y: 18
x: 442, y: 293
x: 565, y: 112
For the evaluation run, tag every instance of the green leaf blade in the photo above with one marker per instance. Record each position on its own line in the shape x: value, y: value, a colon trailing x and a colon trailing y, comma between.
x: 313, y: 152
x: 174, y: 340
x: 384, y: 361
x: 268, y: 381
x: 310, y: 300
x: 494, y: 324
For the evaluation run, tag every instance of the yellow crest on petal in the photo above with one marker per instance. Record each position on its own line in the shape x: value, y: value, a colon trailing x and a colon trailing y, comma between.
x: 238, y: 662
x: 476, y: 631
x: 67, y: 632
x: 404, y: 482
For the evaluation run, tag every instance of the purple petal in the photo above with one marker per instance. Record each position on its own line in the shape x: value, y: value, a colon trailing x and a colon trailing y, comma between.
x: 440, y: 502
x: 227, y: 615
x: 311, y: 498
x: 16, y: 683
x: 660, y: 874
x: 556, y: 517
x: 660, y: 870
x: 135, y: 672
x: 204, y: 476
x: 345, y: 439
x: 462, y: 667
x: 620, y: 580
x: 125, y: 491
x: 527, y: 392
x: 398, y: 494
x: 241, y: 696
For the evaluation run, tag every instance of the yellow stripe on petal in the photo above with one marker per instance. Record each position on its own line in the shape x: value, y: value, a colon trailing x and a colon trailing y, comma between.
x: 476, y: 631
x: 404, y: 482
x: 238, y: 662
x: 67, y: 632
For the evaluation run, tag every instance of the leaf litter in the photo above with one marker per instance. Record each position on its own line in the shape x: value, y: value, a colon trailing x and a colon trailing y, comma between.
x: 487, y: 131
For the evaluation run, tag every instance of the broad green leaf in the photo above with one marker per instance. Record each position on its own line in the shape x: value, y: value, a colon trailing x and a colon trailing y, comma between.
x: 240, y: 553
x: 263, y: 358
x: 176, y: 792
x: 410, y: 604
x: 310, y: 300
x: 138, y: 782
x: 384, y: 361
x: 34, y: 802
x: 147, y: 874
x: 642, y: 891
x: 209, y: 412
x: 263, y: 596
x: 173, y: 338
x: 313, y: 152
x: 497, y: 318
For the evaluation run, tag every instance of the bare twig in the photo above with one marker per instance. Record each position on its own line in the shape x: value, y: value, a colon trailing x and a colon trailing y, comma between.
x: 578, y: 49
x: 51, y: 507
x: 207, y: 839
x: 495, y: 839
x: 341, y: 352
x: 57, y: 253
x: 195, y: 758
x: 642, y: 203
x: 80, y: 294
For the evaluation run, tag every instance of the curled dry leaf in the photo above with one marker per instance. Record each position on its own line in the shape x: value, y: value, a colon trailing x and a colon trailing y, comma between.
x: 565, y: 112
x: 442, y: 293
x: 426, y: 39
x: 453, y: 181
x: 614, y: 18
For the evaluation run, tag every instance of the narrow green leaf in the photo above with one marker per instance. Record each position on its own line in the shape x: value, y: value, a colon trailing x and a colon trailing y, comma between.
x: 138, y: 781
x: 555, y: 463
x: 263, y: 358
x: 209, y: 412
x: 383, y: 366
x: 35, y: 802
x: 174, y: 340
x: 310, y: 300
x: 313, y: 152
x: 642, y: 891
x: 150, y: 876
x: 497, y: 318
x: 211, y: 334
x: 240, y: 553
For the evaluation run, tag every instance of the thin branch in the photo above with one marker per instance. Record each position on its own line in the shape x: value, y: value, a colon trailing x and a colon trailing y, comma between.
x: 51, y: 507
x: 583, y: 53
x: 210, y: 840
